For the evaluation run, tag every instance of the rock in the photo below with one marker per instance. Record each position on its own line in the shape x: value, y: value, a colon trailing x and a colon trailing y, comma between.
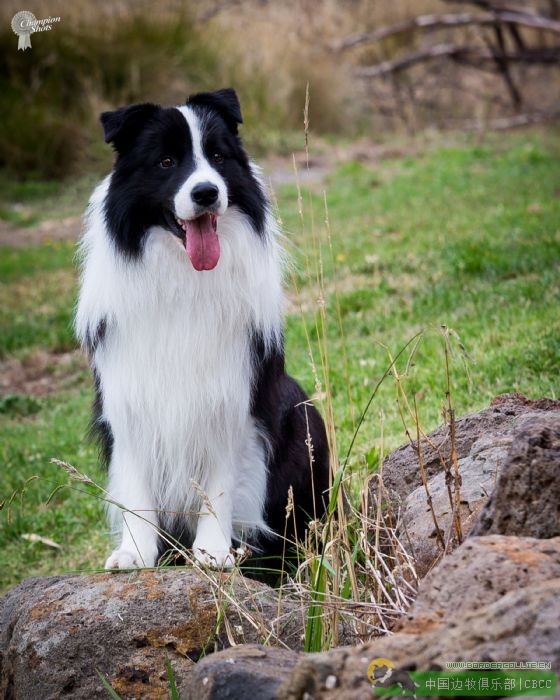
x: 478, y: 472
x: 248, y: 671
x: 526, y: 500
x: 483, y: 441
x: 521, y: 625
x: 495, y: 598
x: 400, y: 470
x: 479, y: 573
x: 55, y: 633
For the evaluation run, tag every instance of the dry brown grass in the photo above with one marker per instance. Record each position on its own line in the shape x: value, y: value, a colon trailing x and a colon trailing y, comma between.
x: 105, y: 54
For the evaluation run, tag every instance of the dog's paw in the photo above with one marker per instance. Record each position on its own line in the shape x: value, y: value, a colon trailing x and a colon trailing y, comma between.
x: 123, y: 559
x: 214, y: 559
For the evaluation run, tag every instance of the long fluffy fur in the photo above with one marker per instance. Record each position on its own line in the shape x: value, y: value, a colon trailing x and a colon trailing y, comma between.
x: 192, y: 398
x: 171, y: 415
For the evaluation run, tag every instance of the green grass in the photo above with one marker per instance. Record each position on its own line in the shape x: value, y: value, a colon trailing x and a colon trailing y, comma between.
x: 26, y: 203
x: 37, y: 291
x: 466, y: 236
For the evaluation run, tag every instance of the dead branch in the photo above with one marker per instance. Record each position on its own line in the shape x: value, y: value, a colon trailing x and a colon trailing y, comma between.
x: 502, y: 123
x: 515, y: 18
x: 496, y: 6
x: 502, y: 65
x: 474, y: 55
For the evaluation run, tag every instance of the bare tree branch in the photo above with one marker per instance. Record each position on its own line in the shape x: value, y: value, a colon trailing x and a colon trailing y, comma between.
x: 502, y: 64
x: 451, y: 20
x: 514, y: 122
x: 468, y: 54
x: 497, y: 6
x: 493, y: 52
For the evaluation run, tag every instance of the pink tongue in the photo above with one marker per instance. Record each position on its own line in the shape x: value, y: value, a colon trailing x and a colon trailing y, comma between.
x: 203, y: 246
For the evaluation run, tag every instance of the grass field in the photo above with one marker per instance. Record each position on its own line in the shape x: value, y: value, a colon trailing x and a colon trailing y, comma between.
x: 465, y: 236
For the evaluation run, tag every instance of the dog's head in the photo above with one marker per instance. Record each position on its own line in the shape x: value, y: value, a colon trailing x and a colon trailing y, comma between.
x: 180, y: 168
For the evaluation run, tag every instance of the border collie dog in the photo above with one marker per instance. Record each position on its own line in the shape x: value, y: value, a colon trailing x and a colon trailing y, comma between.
x: 180, y: 312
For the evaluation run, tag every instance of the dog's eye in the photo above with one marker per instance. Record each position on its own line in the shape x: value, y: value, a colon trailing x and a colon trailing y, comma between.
x: 218, y: 158
x: 166, y: 162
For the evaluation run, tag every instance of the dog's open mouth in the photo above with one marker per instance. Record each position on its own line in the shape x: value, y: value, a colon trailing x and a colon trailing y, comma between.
x: 200, y: 238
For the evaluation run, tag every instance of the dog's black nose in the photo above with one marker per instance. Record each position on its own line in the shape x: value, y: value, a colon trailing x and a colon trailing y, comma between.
x: 205, y: 194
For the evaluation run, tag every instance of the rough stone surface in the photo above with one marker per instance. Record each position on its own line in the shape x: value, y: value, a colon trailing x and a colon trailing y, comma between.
x: 56, y: 632
x: 400, y: 470
x: 479, y: 573
x: 478, y: 472
x: 495, y: 598
x: 483, y: 443
x: 249, y: 671
x: 526, y: 500
x: 521, y: 625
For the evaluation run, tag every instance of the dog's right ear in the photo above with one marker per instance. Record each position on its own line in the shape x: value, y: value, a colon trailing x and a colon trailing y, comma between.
x: 122, y: 126
x: 224, y: 101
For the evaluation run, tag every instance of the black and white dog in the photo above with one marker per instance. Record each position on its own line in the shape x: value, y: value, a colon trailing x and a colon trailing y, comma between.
x: 180, y: 312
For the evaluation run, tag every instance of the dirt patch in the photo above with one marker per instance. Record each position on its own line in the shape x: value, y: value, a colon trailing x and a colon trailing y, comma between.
x: 277, y: 170
x: 308, y: 298
x: 58, y: 230
x: 543, y: 404
x: 312, y: 171
x: 280, y: 171
x: 42, y: 373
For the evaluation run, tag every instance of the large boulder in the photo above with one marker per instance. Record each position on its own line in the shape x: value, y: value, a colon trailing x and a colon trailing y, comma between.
x: 483, y: 442
x: 57, y: 632
x: 479, y: 573
x: 526, y: 500
x: 495, y: 598
x: 400, y: 470
x: 478, y: 471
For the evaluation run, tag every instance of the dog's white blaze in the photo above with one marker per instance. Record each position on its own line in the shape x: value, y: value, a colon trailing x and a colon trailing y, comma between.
x: 185, y: 208
x: 175, y: 374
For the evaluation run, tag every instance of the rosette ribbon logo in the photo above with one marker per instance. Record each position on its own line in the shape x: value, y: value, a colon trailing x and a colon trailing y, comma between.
x: 23, y: 24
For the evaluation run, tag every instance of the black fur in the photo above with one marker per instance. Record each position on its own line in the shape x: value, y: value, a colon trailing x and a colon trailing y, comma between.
x: 99, y: 429
x: 289, y: 418
x: 95, y: 337
x: 293, y: 426
x: 224, y: 102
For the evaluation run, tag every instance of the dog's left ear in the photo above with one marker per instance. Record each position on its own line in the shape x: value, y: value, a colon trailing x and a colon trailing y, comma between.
x: 225, y: 102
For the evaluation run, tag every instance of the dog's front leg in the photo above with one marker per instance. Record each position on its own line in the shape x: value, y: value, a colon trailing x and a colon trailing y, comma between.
x: 212, y: 544
x: 136, y: 519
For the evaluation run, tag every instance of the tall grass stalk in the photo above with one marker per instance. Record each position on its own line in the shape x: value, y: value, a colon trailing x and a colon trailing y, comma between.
x: 357, y: 574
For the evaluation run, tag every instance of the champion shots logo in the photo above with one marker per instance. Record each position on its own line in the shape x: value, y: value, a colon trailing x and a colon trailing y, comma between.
x: 24, y: 24
x: 383, y: 674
